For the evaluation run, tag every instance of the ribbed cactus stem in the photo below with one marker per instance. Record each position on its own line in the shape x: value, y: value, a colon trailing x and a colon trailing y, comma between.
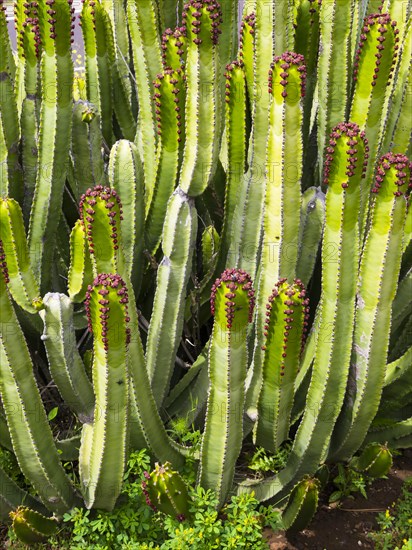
x: 101, y: 213
x: 104, y: 441
x: 169, y: 98
x: 282, y: 202
x: 80, y: 274
x: 30, y: 432
x: 21, y: 281
x: 344, y: 169
x: 286, y: 318
x: 166, y: 491
x: 373, y: 68
x: 54, y: 134
x: 235, y: 118
x: 378, y: 280
x: 302, y: 504
x: 32, y: 527
x: 202, y: 21
x: 232, y: 303
x: 246, y: 46
x: 127, y: 179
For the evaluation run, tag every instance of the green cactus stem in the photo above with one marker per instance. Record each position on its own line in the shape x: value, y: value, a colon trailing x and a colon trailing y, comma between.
x: 99, y: 77
x: 126, y: 178
x: 11, y: 181
x: 32, y: 527
x: 166, y: 323
x: 246, y: 49
x: 12, y: 496
x: 257, y: 33
x: 373, y: 68
x: 145, y: 43
x: 396, y: 385
x: 311, y: 230
x: 22, y: 284
x: 235, y: 133
x: 166, y: 491
x: 302, y: 504
x: 101, y: 213
x: 228, y: 41
x: 54, y: 135
x: 375, y: 460
x: 30, y: 432
x: 169, y: 99
x: 283, y: 35
x: 345, y: 166
x: 395, y: 129
x: 284, y: 329
x: 80, y: 271
x: 232, y: 303
x: 378, y: 276
x: 396, y: 434
x: 333, y: 67
x: 86, y: 148
x: 65, y: 364
x: 282, y: 202
x: 103, y: 447
x: 202, y: 21
x: 174, y: 48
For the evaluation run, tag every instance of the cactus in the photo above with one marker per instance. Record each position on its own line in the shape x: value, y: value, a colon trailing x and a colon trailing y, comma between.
x: 378, y: 276
x: 104, y: 440
x: 32, y: 527
x: 232, y: 304
x: 375, y: 460
x: 302, y: 504
x: 286, y: 315
x: 166, y: 491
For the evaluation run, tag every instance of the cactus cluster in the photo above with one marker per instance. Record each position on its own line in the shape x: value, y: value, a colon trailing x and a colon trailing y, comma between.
x: 212, y: 223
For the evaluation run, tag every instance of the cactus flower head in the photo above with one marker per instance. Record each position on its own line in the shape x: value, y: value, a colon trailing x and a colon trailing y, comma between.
x: 232, y: 299
x: 166, y: 491
x: 202, y: 20
x: 393, y: 176
x: 107, y: 310
x: 287, y: 76
x: 346, y: 155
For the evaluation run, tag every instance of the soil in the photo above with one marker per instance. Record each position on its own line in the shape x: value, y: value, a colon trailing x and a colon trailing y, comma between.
x: 346, y: 527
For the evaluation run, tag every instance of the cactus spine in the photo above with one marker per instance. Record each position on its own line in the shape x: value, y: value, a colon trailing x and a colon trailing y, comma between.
x: 232, y: 305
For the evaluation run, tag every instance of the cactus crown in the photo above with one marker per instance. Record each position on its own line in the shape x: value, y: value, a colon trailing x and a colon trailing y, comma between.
x: 288, y: 69
x: 393, y: 175
x: 346, y: 139
x: 379, y: 24
x: 92, y: 204
x: 27, y: 30
x: 168, y: 85
x: 294, y: 301
x: 232, y: 299
x: 107, y: 308
x: 234, y: 71
x: 173, y: 47
x: 202, y: 19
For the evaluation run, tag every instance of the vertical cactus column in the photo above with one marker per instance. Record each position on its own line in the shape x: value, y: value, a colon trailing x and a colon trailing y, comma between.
x: 232, y: 303
x: 374, y: 65
x: 169, y: 99
x: 202, y: 21
x: 284, y: 329
x: 344, y: 169
x: 282, y: 202
x: 30, y: 432
x: 104, y: 441
x: 54, y: 134
x: 145, y: 43
x: 378, y: 279
x: 334, y: 67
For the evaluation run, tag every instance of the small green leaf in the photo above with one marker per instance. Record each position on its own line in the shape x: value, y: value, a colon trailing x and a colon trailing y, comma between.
x: 53, y: 413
